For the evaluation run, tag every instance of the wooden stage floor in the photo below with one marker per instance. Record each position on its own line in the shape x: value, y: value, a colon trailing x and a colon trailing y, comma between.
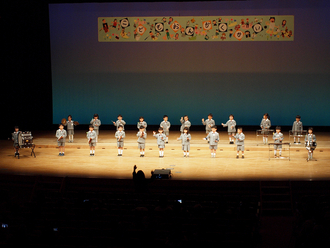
x: 199, y: 166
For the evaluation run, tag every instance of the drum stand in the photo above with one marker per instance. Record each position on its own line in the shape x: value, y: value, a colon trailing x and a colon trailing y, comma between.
x: 301, y: 134
x: 259, y: 132
x: 16, y: 151
x: 32, y: 150
x: 283, y: 149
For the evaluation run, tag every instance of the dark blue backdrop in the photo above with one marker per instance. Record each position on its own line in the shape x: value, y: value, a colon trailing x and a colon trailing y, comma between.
x: 246, y: 79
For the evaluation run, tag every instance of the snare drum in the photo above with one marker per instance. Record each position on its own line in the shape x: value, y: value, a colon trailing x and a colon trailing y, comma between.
x: 310, y: 145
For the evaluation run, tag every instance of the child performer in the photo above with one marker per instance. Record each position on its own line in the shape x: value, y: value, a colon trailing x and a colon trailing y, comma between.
x: 310, y: 143
x: 297, y: 129
x: 208, y: 123
x: 161, y: 137
x: 91, y: 136
x: 165, y: 124
x: 120, y: 135
x: 185, y: 139
x: 231, y: 124
x: 213, y: 137
x: 142, y: 135
x: 14, y: 137
x: 240, y: 137
x: 278, y: 138
x: 265, y: 125
x: 119, y: 122
x: 184, y: 123
x: 96, y: 124
x: 70, y: 128
x: 142, y: 123
x: 60, y: 135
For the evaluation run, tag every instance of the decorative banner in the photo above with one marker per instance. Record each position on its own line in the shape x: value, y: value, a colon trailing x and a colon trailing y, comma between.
x: 200, y: 28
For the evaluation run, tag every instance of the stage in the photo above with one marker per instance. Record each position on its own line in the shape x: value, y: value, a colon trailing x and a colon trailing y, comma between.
x: 259, y: 163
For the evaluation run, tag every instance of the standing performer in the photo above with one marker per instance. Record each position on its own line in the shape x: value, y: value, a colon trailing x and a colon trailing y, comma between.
x: 278, y: 138
x: 240, y: 137
x: 231, y: 124
x: 165, y: 124
x: 91, y: 136
x: 185, y: 140
x: 265, y: 125
x: 120, y: 135
x: 14, y: 137
x: 185, y: 123
x: 297, y: 129
x: 310, y: 143
x: 60, y: 135
x: 119, y: 122
x: 96, y: 123
x: 70, y: 128
x: 142, y: 135
x: 161, y: 137
x: 208, y: 123
x: 214, y: 138
x: 142, y: 123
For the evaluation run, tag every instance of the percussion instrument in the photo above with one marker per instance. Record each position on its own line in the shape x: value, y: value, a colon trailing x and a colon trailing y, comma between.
x: 76, y: 123
x: 63, y: 121
x: 25, y: 139
x: 310, y: 145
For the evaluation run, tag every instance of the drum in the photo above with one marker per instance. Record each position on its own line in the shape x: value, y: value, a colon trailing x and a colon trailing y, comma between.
x: 311, y: 145
x: 25, y: 139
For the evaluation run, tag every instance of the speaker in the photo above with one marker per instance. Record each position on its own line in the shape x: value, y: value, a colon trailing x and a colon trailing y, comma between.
x: 162, y: 174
